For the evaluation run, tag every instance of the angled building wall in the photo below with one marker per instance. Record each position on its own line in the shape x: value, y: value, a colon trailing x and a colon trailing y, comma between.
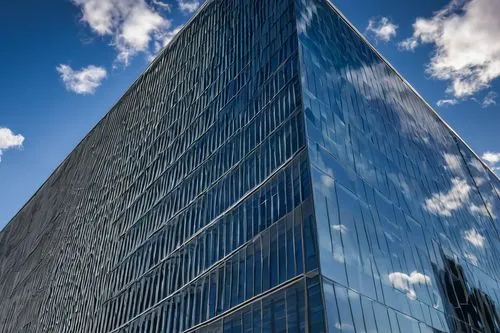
x: 269, y: 172
x: 407, y: 216
x: 186, y: 202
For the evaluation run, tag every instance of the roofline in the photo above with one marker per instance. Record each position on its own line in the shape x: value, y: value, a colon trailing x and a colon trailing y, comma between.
x: 329, y: 2
x: 166, y: 47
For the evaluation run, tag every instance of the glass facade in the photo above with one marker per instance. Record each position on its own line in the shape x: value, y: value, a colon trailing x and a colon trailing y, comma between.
x: 406, y: 215
x: 269, y: 172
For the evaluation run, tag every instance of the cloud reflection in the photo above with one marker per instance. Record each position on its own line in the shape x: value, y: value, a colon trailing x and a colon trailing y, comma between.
x: 405, y: 282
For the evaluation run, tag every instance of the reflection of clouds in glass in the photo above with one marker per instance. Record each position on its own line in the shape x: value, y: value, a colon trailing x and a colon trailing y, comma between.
x: 327, y: 181
x: 338, y: 250
x: 481, y: 209
x: 390, y: 92
x: 479, y: 180
x: 444, y: 203
x: 365, y: 170
x: 405, y: 282
x: 472, y: 258
x: 401, y: 183
x: 306, y: 17
x: 453, y: 162
x: 344, y: 326
x: 476, y: 164
x: 474, y: 237
x: 340, y: 227
x: 338, y: 253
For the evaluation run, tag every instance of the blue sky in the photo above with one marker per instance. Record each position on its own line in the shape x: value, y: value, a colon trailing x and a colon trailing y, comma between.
x: 64, y: 63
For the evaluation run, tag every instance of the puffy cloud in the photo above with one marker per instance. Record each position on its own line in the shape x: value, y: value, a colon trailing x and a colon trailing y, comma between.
x: 492, y: 159
x: 131, y: 24
x: 9, y: 140
x: 444, y: 203
x: 162, y: 4
x: 467, y: 48
x: 188, y: 6
x: 136, y: 32
x: 408, y: 44
x: 381, y: 29
x: 474, y: 237
x: 83, y: 81
x: 446, y: 102
x: 98, y: 14
x: 405, y: 282
x: 489, y: 99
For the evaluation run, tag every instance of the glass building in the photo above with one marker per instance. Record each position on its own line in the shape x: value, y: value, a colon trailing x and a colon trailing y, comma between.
x: 269, y: 172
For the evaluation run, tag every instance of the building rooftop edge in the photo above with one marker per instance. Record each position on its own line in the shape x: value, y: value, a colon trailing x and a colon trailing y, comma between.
x: 166, y: 47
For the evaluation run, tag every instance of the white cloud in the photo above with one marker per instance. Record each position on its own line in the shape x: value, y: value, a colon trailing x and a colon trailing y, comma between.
x: 136, y: 32
x: 489, y: 99
x: 444, y: 203
x: 9, y: 140
x: 381, y: 29
x: 98, y: 14
x: 405, y: 282
x: 162, y: 4
x: 188, y: 6
x: 408, y: 44
x: 446, y: 102
x: 474, y: 237
x: 131, y: 24
x: 83, y: 81
x: 491, y: 157
x: 467, y: 48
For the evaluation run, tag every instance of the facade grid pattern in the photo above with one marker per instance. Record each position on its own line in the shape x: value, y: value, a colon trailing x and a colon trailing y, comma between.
x: 269, y: 172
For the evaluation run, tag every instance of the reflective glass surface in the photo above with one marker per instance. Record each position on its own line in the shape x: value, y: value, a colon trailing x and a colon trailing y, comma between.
x: 269, y: 172
x: 190, y: 199
x: 406, y: 215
